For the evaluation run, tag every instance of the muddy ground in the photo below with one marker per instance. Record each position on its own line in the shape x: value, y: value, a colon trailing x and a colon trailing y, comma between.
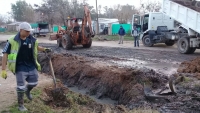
x: 121, y: 73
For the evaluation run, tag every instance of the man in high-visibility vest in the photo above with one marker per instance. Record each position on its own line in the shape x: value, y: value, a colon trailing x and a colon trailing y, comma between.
x: 20, y: 54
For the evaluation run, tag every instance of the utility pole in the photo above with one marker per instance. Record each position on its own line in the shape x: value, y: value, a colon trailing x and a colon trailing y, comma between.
x: 97, y: 32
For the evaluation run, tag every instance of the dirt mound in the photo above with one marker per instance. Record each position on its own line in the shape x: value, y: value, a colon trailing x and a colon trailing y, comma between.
x: 56, y: 97
x: 122, y: 84
x: 192, y: 66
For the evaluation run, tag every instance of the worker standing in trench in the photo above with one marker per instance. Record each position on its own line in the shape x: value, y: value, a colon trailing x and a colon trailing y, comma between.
x: 21, y: 53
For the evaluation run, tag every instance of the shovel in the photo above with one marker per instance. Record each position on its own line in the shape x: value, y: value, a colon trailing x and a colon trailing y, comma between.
x: 57, y: 93
x: 48, y: 55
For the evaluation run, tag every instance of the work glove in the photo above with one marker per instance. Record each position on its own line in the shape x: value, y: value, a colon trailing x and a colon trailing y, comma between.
x: 48, y: 50
x: 4, y: 74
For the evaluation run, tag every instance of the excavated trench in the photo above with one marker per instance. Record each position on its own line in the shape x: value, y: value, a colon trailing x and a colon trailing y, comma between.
x: 122, y: 84
x: 103, y: 81
x: 125, y: 85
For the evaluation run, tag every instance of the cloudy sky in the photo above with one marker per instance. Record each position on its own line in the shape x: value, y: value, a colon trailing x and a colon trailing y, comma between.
x: 5, y: 5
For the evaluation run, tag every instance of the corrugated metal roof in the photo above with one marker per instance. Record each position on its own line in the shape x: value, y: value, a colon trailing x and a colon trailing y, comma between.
x: 108, y: 20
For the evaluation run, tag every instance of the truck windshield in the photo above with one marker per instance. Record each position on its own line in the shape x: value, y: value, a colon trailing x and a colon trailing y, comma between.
x: 137, y: 20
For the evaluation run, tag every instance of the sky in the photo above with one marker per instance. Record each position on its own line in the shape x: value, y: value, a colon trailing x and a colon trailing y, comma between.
x: 5, y: 5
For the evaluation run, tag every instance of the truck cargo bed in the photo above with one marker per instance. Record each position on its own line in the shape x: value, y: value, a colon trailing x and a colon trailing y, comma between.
x: 185, y: 12
x: 192, y: 4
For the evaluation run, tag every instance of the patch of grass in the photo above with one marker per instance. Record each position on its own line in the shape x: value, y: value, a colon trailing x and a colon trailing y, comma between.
x: 182, y: 79
x: 75, y: 98
x: 115, y: 38
x: 37, y: 105
x: 34, y: 106
x: 73, y: 109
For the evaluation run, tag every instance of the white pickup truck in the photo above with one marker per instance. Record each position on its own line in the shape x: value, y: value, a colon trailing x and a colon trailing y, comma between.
x: 158, y: 27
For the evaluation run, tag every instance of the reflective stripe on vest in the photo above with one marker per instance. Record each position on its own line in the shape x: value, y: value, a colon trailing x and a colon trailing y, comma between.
x: 11, y: 61
x: 13, y: 51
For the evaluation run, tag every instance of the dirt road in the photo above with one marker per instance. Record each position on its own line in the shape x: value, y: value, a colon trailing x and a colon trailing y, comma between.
x: 160, y: 57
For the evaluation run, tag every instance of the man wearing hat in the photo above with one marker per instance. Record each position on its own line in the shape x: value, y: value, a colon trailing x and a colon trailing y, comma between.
x: 21, y: 53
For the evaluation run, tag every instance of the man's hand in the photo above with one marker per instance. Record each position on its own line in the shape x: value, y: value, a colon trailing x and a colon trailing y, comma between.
x: 47, y: 50
x: 4, y: 74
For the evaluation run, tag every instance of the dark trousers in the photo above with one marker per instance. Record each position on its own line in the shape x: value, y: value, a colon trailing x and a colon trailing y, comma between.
x: 136, y: 41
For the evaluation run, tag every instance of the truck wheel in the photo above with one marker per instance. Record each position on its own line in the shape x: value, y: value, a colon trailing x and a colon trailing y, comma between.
x: 184, y: 46
x: 66, y: 42
x: 59, y: 42
x: 147, y: 41
x: 170, y: 43
x: 192, y: 50
x: 88, y: 45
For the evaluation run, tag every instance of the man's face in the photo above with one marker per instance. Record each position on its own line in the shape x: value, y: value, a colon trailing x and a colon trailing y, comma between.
x: 24, y: 33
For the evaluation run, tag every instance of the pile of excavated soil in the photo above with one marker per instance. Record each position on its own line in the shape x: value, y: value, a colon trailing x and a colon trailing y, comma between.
x: 192, y: 66
x: 56, y: 96
x: 122, y: 84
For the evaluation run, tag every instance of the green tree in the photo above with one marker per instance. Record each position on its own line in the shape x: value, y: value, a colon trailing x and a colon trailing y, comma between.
x: 57, y: 12
x: 22, y: 11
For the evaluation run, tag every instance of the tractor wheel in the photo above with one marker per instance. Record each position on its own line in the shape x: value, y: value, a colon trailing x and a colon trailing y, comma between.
x: 66, y: 42
x: 59, y: 42
x: 88, y: 45
x: 147, y: 41
x: 184, y: 46
x: 170, y: 43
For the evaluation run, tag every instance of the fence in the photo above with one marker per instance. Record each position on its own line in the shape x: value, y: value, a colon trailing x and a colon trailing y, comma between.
x: 55, y: 28
x: 116, y: 27
x: 2, y: 29
x: 34, y: 25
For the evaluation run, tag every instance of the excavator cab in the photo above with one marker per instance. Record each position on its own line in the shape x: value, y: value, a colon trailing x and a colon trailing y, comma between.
x: 74, y: 25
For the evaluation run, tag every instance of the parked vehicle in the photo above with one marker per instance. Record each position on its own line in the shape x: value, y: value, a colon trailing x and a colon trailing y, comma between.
x: 40, y: 29
x: 159, y: 27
